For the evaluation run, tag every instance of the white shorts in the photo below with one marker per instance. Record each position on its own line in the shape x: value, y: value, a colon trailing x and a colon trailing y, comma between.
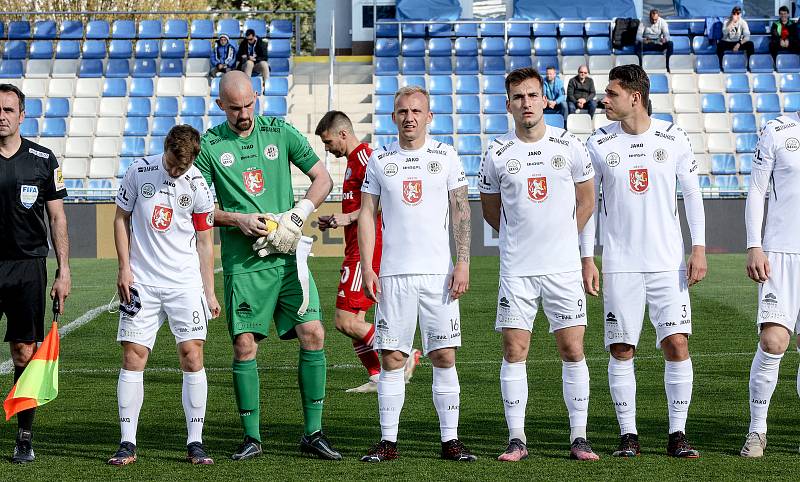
x: 561, y: 294
x: 625, y: 294
x: 404, y: 298
x: 779, y: 296
x: 184, y: 307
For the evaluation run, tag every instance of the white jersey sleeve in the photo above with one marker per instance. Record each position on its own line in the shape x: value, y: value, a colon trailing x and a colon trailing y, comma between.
x: 203, y: 199
x: 580, y: 163
x: 686, y: 170
x: 456, y: 177
x: 488, y: 181
x: 588, y: 234
x: 372, y: 182
x: 128, y: 190
x: 763, y: 163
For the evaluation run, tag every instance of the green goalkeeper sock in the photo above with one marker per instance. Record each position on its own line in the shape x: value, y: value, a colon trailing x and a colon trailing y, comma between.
x: 245, y: 385
x: 312, y: 376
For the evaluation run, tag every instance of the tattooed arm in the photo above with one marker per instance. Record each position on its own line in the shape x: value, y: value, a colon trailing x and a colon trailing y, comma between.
x: 462, y: 232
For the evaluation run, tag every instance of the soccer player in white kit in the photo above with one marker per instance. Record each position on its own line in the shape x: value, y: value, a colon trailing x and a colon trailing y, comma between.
x: 165, y: 248
x: 536, y: 191
x: 637, y: 161
x: 774, y: 263
x: 418, y: 182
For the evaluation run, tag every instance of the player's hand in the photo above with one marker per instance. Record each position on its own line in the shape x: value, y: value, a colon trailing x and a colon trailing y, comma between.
x: 758, y: 268
x: 736, y: 48
x: 591, y: 276
x: 213, y: 305
x: 254, y: 224
x: 696, y: 267
x: 324, y: 222
x: 341, y: 220
x: 372, y: 285
x: 62, y: 286
x: 124, y: 283
x: 459, y: 281
x: 290, y: 227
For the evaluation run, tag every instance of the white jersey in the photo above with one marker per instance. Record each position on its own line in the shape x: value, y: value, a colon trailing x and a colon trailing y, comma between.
x: 640, y: 228
x: 777, y: 159
x: 165, y: 213
x: 536, y: 182
x: 414, y: 191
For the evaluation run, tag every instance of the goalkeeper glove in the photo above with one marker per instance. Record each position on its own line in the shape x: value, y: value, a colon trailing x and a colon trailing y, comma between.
x: 290, y: 227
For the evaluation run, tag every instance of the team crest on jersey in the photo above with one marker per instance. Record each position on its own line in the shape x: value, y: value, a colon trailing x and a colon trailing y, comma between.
x: 434, y: 167
x: 513, y: 166
x: 184, y: 201
x: 390, y: 169
x: 412, y: 191
x: 271, y: 152
x: 792, y: 144
x: 612, y: 159
x: 253, y: 181
x: 558, y: 162
x: 162, y: 217
x: 639, y: 180
x: 148, y: 190
x: 348, y: 173
x: 537, y: 188
x: 226, y: 159
x: 660, y: 155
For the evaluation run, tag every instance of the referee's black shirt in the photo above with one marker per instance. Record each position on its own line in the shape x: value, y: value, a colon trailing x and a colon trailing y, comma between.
x: 28, y: 179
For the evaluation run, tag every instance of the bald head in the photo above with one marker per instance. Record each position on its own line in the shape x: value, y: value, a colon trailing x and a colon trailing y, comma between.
x: 238, y: 100
x: 235, y: 83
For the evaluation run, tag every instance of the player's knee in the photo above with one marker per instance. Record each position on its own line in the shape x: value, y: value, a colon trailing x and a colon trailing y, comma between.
x: 622, y: 351
x: 192, y: 358
x: 443, y: 358
x: 311, y: 335
x: 775, y: 339
x: 392, y: 359
x: 245, y: 347
x: 134, y: 356
x: 572, y: 352
x: 344, y: 321
x: 675, y: 347
x: 21, y: 353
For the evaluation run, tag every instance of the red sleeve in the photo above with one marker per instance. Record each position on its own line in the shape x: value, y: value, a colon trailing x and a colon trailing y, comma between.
x: 203, y: 221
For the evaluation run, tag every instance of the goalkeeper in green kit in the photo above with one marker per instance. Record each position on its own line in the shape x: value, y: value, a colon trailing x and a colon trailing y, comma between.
x: 248, y: 161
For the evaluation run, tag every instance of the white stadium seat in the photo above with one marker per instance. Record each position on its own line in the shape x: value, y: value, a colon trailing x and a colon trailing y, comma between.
x: 698, y: 143
x: 691, y: 123
x: 579, y: 124
x: 85, y: 107
x: 38, y: 68
x: 717, y: 122
x: 55, y: 144
x: 600, y: 64
x: 78, y: 147
x: 661, y: 102
x: 196, y: 86
x: 198, y: 67
x: 689, y: 103
x: 683, y: 83
x: 710, y: 83
x: 720, y: 143
x: 74, y: 168
x: 106, y: 146
x: 80, y: 127
x: 654, y: 63
x: 168, y: 87
x: 113, y: 106
x: 109, y: 127
x: 34, y: 87
x: 103, y: 167
x: 89, y: 87
x: 66, y: 68
x: 61, y: 88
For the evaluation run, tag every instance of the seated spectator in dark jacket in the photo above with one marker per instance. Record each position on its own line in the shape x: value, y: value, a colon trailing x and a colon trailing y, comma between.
x: 735, y: 35
x: 653, y: 35
x: 252, y: 55
x: 223, y: 57
x: 580, y: 92
x: 782, y: 33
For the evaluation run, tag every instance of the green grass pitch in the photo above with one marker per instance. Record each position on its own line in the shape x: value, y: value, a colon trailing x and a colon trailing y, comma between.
x: 76, y: 433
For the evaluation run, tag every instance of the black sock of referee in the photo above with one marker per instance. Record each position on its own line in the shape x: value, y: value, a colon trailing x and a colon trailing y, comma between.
x: 25, y: 417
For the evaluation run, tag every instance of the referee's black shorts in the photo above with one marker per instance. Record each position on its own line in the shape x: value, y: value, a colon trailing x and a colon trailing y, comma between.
x: 23, y: 283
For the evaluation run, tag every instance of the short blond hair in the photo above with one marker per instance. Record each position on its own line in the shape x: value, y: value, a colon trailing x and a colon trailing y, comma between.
x: 411, y: 90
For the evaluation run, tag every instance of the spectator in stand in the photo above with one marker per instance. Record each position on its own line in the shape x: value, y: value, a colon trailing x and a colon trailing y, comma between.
x: 735, y: 35
x: 580, y: 92
x: 554, y: 92
x: 252, y: 54
x: 223, y: 57
x: 653, y: 35
x: 782, y: 33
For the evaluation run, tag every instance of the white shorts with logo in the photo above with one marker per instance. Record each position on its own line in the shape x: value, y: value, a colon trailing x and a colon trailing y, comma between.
x: 625, y: 294
x: 403, y: 299
x: 779, y: 296
x: 561, y: 294
x: 185, y: 308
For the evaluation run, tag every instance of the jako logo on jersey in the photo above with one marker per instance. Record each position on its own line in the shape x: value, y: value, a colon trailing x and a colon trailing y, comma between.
x: 253, y: 181
x: 537, y: 188
x: 271, y: 152
x: 612, y: 159
x: 226, y: 159
x: 639, y: 180
x: 162, y: 217
x: 412, y: 191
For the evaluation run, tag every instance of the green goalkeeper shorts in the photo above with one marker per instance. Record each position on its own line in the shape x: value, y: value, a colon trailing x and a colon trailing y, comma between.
x: 253, y: 299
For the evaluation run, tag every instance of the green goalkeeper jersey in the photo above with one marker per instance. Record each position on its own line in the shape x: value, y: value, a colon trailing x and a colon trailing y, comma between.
x: 253, y: 175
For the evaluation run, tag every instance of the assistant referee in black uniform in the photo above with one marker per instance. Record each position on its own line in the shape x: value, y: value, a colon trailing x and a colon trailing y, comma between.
x: 30, y: 182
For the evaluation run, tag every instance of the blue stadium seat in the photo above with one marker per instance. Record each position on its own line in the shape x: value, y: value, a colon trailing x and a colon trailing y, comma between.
x: 384, y: 104
x: 746, y: 142
x: 11, y: 69
x: 493, y: 84
x: 702, y: 46
x: 496, y: 124
x: 705, y: 181
x: 71, y: 30
x: 280, y: 67
x: 193, y: 106
x: 215, y: 120
x: 759, y: 26
x: 146, y: 49
x: 44, y: 30
x: 734, y: 62
x: 726, y: 182
x: 136, y: 126
x: 518, y: 30
x: 767, y: 103
x: 766, y: 117
x: 543, y: 62
x: 199, y: 49
x: 125, y: 29
x: 760, y: 43
x: 155, y: 145
x: 791, y: 102
x: 115, y: 88
x: 469, y: 145
x: 118, y: 68
x: 68, y: 49
x: 15, y: 50
x: 150, y: 29
x: 98, y: 189
x: 413, y: 47
x: 138, y: 107
x: 598, y: 46
x: 737, y: 84
x: 440, y: 65
x: 442, y: 104
x: 198, y: 123
x: 555, y: 120
x: 467, y: 65
x: 29, y: 127
x: 33, y: 108
x: 517, y: 62
x: 745, y: 163
x: 706, y: 64
x: 468, y: 124
x: 214, y: 110
x: 19, y: 30
x: 468, y: 104
x: 738, y: 103
x: 384, y: 125
x: 444, y: 139
x: 625, y: 50
x: 173, y: 49
x: 141, y: 87
x: 386, y: 30
x: 723, y: 164
x: 677, y: 28
x: 472, y: 165
x: 659, y: 84
x: 124, y: 164
x: 545, y: 29
x: 41, y: 49
x: 440, y: 85
x: 492, y: 30
x: 383, y: 85
x: 466, y: 30
x: 275, y: 106
x: 176, y: 28
x: 215, y: 87
x: 170, y: 68
x: 566, y: 29
x: 765, y: 83
x: 681, y: 45
x: 440, y: 30
x: 413, y: 65
x: 162, y: 125
x: 519, y: 46
x: 54, y: 128
x: 744, y: 123
x: 94, y: 49
x: 493, y: 47
x: 439, y: 47
x: 276, y: 86
x: 662, y: 115
x: 413, y: 30
x: 56, y: 107
x: 281, y: 28
x: 597, y: 29
x: 166, y: 107
x: 494, y: 104
x: 466, y: 47
x: 202, y: 29
x: 258, y: 86
x: 761, y: 63
x: 387, y: 47
x: 787, y: 63
x: 90, y: 68
x: 386, y: 66
x: 229, y: 27
x: 442, y: 125
x: 413, y: 80
x: 120, y: 49
x: 132, y: 147
x: 572, y: 46
x: 790, y: 83
x: 493, y: 65
x: 259, y: 26
x: 144, y: 68
x: 98, y: 30
x: 697, y: 28
x: 545, y: 46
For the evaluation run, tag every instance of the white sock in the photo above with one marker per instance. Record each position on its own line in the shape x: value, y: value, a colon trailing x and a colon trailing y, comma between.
x: 763, y: 379
x: 130, y: 395
x: 446, y: 399
x: 195, y: 393
x: 575, y: 384
x: 622, y: 382
x: 391, y: 395
x: 514, y: 387
x: 678, y: 380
